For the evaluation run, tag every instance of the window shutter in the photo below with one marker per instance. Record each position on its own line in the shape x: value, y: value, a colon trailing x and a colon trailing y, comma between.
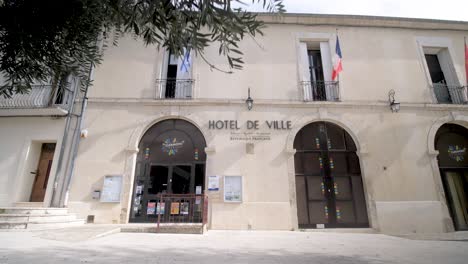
x: 327, y: 68
x: 304, y: 72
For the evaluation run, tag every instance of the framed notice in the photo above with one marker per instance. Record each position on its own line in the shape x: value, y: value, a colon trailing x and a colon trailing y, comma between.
x: 233, y: 189
x: 213, y: 183
x: 111, y: 189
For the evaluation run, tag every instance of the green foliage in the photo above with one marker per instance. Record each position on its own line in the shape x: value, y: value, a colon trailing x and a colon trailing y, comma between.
x: 42, y: 40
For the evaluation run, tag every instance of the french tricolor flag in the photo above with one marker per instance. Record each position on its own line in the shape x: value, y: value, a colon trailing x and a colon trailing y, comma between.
x: 338, y: 67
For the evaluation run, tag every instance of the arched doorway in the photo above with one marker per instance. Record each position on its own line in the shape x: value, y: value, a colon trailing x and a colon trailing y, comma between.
x: 452, y: 141
x: 329, y: 186
x: 171, y: 160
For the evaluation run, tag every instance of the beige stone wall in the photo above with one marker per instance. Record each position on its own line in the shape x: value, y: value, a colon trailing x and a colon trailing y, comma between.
x: 375, y: 60
x: 399, y: 168
x: 393, y: 148
x: 21, y: 140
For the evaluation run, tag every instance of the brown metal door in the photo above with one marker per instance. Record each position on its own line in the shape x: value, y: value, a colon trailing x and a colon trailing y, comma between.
x: 329, y: 187
x: 42, y: 172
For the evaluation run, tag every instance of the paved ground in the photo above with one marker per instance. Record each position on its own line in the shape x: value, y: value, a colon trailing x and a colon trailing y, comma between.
x: 81, y: 245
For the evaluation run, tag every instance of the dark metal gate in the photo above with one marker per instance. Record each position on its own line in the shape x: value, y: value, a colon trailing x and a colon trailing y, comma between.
x: 329, y: 187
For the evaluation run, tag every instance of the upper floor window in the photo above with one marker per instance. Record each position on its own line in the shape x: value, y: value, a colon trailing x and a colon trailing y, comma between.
x: 176, y: 77
x: 441, y: 72
x: 316, y: 72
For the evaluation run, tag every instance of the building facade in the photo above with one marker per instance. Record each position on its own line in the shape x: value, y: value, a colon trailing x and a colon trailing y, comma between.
x: 36, y: 130
x: 311, y: 152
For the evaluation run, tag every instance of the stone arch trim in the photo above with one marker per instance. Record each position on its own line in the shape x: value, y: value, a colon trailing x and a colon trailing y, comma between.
x: 132, y: 151
x: 452, y: 118
x: 146, y: 124
x: 346, y: 125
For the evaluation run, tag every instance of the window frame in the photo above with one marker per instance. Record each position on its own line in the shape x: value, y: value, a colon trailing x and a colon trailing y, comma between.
x: 433, y: 46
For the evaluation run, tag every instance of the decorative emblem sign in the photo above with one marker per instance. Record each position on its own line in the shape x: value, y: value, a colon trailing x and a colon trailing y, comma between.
x: 171, y: 146
x: 456, y: 152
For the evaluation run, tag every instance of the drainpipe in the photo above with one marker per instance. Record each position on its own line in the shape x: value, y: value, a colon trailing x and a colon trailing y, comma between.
x: 75, y: 144
x: 62, y: 147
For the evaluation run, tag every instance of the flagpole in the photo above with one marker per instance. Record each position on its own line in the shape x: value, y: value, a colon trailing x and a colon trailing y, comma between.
x: 465, y: 48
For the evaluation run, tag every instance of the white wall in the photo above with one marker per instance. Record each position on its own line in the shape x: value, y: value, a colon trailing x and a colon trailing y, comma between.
x: 396, y: 166
x: 20, y: 141
x: 375, y: 60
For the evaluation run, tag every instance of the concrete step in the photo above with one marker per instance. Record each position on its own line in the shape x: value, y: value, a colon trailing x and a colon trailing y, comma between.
x: 341, y: 230
x: 164, y: 228
x: 29, y: 204
x: 33, y: 210
x: 13, y: 226
x: 44, y: 218
x: 36, y: 218
x: 41, y: 225
x: 55, y: 225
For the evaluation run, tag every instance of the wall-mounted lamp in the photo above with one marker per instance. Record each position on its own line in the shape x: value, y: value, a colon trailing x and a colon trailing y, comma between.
x: 249, y: 101
x: 394, y: 106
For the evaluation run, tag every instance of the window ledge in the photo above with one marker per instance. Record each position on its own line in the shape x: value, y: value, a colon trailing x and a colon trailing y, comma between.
x: 49, y: 111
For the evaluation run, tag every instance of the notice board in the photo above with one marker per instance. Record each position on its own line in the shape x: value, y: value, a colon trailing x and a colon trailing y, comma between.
x: 233, y: 189
x: 111, y: 189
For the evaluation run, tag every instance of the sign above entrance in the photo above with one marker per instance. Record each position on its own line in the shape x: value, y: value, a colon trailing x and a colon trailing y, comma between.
x: 171, y: 146
x: 249, y: 124
x: 456, y: 152
x: 251, y: 130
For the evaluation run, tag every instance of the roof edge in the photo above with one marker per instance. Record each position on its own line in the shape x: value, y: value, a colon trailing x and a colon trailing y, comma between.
x: 362, y: 21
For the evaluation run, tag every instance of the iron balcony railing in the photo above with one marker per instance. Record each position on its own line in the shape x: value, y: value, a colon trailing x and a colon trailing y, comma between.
x: 449, y: 94
x: 321, y: 91
x: 40, y: 96
x: 181, y: 209
x: 175, y: 88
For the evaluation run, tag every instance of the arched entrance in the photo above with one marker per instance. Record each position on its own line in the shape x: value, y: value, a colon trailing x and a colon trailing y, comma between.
x: 171, y: 161
x: 452, y: 141
x: 329, y: 186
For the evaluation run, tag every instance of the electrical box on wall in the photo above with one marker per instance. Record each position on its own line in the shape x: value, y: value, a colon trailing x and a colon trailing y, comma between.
x: 96, y: 194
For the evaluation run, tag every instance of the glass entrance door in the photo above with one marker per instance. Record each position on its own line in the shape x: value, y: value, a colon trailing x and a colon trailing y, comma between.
x: 456, y: 190
x: 181, y: 178
x: 164, y: 179
x: 171, y: 163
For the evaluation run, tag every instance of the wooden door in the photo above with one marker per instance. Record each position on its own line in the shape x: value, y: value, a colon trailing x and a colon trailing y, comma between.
x: 42, y: 172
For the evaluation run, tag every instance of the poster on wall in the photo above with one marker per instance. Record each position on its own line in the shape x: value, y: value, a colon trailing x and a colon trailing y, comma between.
x: 175, y: 208
x: 232, y: 188
x: 111, y: 189
x: 184, y: 208
x: 213, y: 183
x: 161, y: 208
x: 151, y: 208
